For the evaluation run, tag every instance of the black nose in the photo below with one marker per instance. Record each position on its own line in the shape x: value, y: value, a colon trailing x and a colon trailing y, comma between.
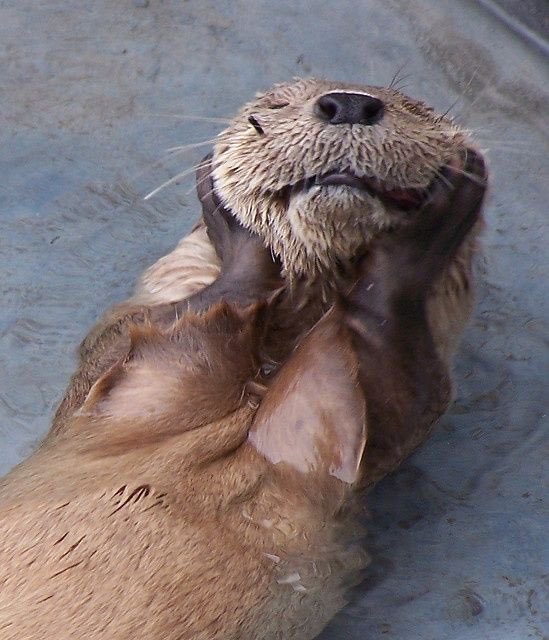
x: 349, y: 108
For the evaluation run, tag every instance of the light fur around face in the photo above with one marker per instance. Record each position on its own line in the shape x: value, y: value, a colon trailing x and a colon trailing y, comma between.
x: 257, y: 171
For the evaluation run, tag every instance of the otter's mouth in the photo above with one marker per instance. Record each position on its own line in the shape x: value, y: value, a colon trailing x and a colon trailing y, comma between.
x: 400, y: 198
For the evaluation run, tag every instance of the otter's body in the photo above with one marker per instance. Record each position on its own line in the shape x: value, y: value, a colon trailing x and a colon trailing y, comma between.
x: 186, y: 490
x: 149, y: 513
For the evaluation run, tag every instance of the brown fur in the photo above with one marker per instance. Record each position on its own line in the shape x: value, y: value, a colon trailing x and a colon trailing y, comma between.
x: 183, y: 491
x: 150, y: 516
x: 314, y: 233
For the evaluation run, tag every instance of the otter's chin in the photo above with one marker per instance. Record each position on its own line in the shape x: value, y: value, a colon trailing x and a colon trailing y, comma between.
x: 324, y: 208
x: 331, y: 223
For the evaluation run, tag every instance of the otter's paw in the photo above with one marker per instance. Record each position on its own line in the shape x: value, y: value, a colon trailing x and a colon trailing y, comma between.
x: 402, y: 266
x: 245, y: 259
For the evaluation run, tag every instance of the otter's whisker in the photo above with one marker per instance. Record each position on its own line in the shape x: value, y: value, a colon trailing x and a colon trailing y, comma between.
x: 198, y: 183
x: 509, y: 141
x: 173, y: 151
x: 474, y: 178
x: 521, y: 152
x: 193, y: 117
x: 192, y: 145
x: 518, y: 145
x: 463, y: 93
x: 206, y: 195
x: 171, y: 180
x: 445, y: 114
x: 443, y: 179
x: 397, y: 78
x: 484, y: 132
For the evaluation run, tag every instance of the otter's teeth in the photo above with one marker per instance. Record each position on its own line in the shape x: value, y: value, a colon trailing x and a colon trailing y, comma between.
x: 401, y: 198
x: 341, y: 179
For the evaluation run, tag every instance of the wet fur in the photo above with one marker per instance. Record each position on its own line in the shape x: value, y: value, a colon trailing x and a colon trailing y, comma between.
x: 148, y: 484
x: 316, y: 232
x: 311, y: 231
x: 162, y: 489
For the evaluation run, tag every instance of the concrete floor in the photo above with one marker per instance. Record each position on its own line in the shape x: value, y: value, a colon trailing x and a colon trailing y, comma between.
x: 87, y: 105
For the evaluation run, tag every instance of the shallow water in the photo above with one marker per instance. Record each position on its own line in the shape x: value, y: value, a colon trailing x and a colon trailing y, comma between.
x: 459, y: 533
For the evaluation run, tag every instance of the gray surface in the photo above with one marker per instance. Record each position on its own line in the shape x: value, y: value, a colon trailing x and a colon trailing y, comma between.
x: 459, y: 534
x: 534, y: 14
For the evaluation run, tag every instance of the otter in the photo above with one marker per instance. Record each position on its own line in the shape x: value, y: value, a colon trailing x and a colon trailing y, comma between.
x: 186, y: 489
x: 316, y: 169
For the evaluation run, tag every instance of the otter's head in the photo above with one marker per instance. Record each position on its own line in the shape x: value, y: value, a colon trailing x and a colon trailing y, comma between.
x: 316, y: 167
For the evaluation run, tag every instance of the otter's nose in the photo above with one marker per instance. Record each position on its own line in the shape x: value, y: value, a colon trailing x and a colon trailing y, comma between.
x: 349, y: 108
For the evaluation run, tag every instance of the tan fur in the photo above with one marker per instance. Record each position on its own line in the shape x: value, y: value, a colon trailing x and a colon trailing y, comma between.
x: 150, y: 516
x: 148, y: 512
x: 313, y: 229
x: 311, y: 232
x: 191, y: 266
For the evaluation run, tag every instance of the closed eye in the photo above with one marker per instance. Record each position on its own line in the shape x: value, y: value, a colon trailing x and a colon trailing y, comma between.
x: 279, y: 105
x: 255, y: 124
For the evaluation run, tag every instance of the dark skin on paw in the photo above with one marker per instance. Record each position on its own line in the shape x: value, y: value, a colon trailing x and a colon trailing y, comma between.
x: 247, y: 265
x: 401, y: 267
x: 405, y: 384
x: 249, y: 274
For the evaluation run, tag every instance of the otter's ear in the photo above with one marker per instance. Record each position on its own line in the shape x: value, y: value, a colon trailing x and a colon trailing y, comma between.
x: 313, y: 417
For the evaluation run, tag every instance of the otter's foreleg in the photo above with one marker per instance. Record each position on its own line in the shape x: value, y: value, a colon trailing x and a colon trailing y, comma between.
x: 405, y: 382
